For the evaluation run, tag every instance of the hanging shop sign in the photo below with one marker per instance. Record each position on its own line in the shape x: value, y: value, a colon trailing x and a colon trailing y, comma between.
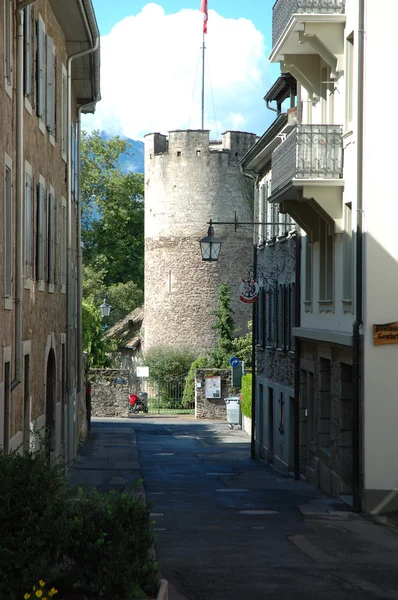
x: 385, y: 334
x: 249, y: 291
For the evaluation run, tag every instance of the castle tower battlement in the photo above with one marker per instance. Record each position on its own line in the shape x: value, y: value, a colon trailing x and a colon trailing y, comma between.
x: 188, y: 181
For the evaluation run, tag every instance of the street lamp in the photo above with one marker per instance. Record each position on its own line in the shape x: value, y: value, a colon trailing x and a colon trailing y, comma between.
x: 210, y: 246
x: 105, y: 309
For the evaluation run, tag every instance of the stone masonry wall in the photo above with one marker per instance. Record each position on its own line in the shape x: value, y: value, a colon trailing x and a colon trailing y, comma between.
x: 110, y: 392
x: 189, y: 181
x: 212, y: 408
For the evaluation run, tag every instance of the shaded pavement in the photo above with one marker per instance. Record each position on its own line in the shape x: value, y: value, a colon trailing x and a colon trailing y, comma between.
x: 230, y: 528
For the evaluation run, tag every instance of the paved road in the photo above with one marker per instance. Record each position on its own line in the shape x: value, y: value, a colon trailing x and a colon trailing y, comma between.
x: 229, y: 528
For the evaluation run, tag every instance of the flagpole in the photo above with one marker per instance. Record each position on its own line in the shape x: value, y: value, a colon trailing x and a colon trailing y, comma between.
x: 203, y: 81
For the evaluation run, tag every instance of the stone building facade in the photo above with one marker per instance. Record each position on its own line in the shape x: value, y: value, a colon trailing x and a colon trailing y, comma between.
x: 41, y: 372
x: 188, y: 181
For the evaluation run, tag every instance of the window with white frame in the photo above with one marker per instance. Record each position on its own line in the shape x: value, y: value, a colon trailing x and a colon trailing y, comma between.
x: 347, y: 254
x: 41, y: 73
x: 41, y: 233
x: 260, y: 318
x: 50, y: 87
x: 73, y: 157
x: 28, y: 250
x: 28, y: 63
x: 63, y: 245
x: 326, y: 260
x: 51, y: 238
x: 8, y: 231
x: 8, y: 44
x: 262, y: 213
x: 64, y: 115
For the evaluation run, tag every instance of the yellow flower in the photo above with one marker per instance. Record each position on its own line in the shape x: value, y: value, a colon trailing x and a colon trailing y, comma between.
x: 42, y: 583
x: 34, y: 587
x: 52, y: 592
x: 39, y: 593
x: 27, y: 596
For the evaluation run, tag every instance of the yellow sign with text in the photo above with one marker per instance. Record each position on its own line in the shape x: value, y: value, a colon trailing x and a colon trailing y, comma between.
x: 385, y: 334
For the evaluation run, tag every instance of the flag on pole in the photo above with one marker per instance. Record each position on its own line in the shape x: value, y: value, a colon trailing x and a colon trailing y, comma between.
x: 203, y: 9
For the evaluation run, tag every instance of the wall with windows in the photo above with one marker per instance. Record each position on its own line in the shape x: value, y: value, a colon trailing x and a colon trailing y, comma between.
x: 45, y: 220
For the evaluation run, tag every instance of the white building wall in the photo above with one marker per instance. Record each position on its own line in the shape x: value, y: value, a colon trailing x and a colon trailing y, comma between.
x: 381, y: 256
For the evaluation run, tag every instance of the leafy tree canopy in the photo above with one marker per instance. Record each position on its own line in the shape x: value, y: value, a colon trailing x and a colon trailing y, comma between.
x: 112, y: 211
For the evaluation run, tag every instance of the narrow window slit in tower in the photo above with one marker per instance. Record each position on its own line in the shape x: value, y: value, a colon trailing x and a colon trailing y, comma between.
x: 169, y: 282
x: 178, y: 152
x: 197, y: 152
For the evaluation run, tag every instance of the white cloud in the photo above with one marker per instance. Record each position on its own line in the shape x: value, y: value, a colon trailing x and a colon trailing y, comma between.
x: 151, y: 74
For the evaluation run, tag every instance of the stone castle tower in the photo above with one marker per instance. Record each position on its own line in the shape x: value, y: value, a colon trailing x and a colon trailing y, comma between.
x: 189, y: 180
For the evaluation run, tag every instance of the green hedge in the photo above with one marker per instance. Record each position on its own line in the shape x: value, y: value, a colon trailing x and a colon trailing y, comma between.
x: 247, y: 395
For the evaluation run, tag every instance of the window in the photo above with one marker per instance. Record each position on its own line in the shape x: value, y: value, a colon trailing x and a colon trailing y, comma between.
x: 40, y: 232
x: 326, y: 262
x: 28, y: 254
x: 281, y: 414
x: 73, y: 174
x: 51, y: 238
x: 8, y: 43
x: 8, y: 232
x: 271, y: 313
x: 41, y: 74
x: 347, y: 254
x: 63, y: 244
x: 280, y: 316
x: 262, y: 213
x: 349, y: 81
x: 64, y: 116
x: 50, y: 87
x: 291, y: 317
x: 308, y: 273
x: 28, y: 56
x: 260, y: 318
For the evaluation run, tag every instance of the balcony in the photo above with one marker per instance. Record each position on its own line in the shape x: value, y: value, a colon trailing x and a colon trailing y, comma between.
x: 284, y: 10
x: 308, y: 27
x: 307, y: 174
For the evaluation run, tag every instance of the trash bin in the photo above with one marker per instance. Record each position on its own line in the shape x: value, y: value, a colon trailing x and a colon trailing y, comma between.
x: 234, y: 413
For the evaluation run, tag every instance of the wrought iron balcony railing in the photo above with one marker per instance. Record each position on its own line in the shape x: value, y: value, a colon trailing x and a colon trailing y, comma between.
x: 283, y: 10
x: 308, y: 152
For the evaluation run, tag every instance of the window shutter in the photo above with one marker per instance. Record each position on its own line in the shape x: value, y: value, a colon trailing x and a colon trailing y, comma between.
x: 40, y: 233
x: 8, y: 235
x: 73, y: 153
x: 50, y: 84
x: 28, y: 226
x: 27, y: 52
x: 40, y: 69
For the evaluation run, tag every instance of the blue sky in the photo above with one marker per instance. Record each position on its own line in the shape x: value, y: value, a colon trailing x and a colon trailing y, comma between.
x: 150, y: 76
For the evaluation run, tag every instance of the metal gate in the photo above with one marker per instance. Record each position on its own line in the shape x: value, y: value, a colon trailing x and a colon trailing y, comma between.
x: 166, y: 397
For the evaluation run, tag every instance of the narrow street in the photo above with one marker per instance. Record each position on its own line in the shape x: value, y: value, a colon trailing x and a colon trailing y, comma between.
x: 229, y: 528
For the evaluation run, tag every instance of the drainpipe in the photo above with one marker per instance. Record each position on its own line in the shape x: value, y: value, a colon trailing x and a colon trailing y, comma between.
x: 297, y: 356
x: 267, y: 102
x: 20, y: 187
x: 356, y: 340
x: 93, y: 48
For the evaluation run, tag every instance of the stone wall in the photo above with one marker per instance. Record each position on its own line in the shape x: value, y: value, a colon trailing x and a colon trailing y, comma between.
x: 110, y: 392
x: 212, y: 408
x: 188, y: 181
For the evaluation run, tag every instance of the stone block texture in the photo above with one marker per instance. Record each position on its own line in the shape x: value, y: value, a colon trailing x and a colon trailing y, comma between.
x: 110, y: 392
x: 188, y: 181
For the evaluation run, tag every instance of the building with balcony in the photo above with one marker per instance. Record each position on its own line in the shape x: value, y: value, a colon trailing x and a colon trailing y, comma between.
x: 277, y: 242
x: 323, y: 176
x: 50, y: 64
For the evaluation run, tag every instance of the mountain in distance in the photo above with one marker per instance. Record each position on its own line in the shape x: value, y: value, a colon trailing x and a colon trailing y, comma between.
x: 133, y: 160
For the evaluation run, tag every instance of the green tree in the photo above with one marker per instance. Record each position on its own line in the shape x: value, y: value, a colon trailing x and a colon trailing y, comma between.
x: 167, y: 363
x: 243, y: 346
x: 93, y: 339
x: 112, y: 211
x: 224, y: 324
